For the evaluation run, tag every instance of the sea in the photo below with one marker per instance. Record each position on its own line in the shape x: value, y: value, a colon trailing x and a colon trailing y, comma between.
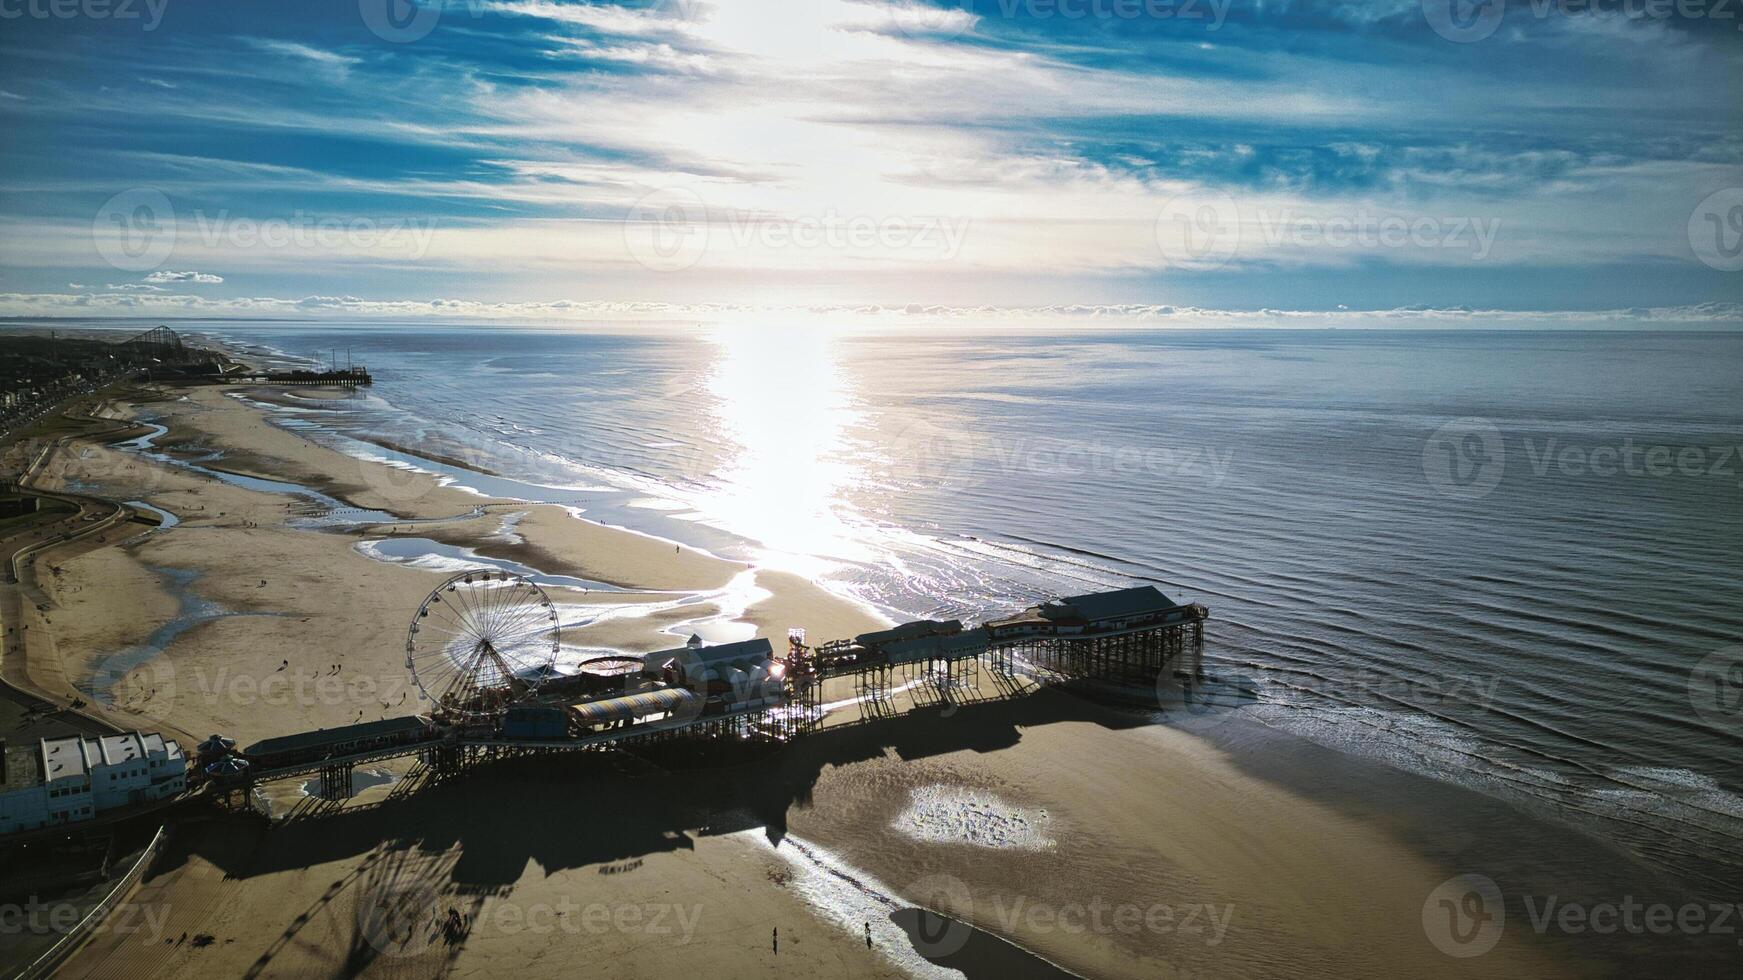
x: 1506, y: 559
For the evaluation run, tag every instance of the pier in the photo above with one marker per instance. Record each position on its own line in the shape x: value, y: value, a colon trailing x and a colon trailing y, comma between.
x: 1128, y: 641
x: 357, y: 375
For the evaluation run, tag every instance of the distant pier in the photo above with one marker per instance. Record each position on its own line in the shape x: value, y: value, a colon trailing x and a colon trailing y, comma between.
x: 342, y: 376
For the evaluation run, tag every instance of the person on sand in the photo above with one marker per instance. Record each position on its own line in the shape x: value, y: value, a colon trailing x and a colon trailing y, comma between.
x: 775, y: 940
x: 868, y: 935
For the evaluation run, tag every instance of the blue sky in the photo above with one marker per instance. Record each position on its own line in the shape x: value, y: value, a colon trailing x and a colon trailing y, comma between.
x: 687, y: 158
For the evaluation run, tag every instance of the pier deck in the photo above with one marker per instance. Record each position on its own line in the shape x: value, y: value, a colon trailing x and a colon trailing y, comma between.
x: 1133, y: 638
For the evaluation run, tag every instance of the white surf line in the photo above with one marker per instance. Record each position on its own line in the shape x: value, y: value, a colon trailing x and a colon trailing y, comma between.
x: 849, y: 898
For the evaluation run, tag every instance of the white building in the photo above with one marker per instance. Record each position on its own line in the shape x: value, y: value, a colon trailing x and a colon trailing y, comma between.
x: 73, y: 778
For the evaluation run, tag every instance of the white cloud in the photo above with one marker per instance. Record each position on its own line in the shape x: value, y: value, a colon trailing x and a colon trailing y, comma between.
x: 201, y: 278
x: 292, y: 49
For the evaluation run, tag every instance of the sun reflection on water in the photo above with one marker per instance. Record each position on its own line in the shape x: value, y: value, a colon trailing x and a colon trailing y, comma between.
x: 784, y: 405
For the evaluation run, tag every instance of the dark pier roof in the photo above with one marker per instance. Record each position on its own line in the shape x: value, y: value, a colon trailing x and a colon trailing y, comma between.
x: 909, y: 631
x: 335, y: 736
x: 1101, y: 610
x: 1145, y: 600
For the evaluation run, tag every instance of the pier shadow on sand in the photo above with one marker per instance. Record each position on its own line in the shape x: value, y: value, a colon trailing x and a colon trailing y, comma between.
x: 631, y: 806
x: 425, y: 859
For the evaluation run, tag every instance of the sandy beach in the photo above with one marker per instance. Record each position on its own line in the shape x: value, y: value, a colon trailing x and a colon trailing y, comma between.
x: 1074, y: 837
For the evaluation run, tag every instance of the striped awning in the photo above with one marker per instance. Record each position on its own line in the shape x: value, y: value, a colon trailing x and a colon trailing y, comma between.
x: 636, y: 705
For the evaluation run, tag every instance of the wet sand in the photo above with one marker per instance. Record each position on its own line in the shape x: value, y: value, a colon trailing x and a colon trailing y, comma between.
x: 1072, y: 836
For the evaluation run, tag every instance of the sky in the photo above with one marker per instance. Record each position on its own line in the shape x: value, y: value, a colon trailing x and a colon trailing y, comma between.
x: 1145, y: 160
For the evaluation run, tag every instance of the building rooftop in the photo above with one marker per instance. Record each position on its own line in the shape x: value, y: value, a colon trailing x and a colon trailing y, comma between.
x: 908, y: 631
x: 1095, y: 608
x: 76, y: 755
x: 755, y: 651
x: 1121, y: 604
x: 20, y: 767
x: 65, y: 757
x: 950, y: 645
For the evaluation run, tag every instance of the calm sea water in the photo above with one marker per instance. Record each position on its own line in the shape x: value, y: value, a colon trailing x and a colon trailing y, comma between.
x: 1506, y: 559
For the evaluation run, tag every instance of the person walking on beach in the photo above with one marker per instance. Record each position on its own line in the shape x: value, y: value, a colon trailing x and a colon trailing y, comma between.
x: 868, y: 935
x: 775, y: 940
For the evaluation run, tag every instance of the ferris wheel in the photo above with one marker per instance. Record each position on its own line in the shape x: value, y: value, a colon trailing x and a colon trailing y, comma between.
x: 481, y: 640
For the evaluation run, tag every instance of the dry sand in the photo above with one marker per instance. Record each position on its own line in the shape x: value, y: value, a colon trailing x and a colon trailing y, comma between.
x: 559, y: 868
